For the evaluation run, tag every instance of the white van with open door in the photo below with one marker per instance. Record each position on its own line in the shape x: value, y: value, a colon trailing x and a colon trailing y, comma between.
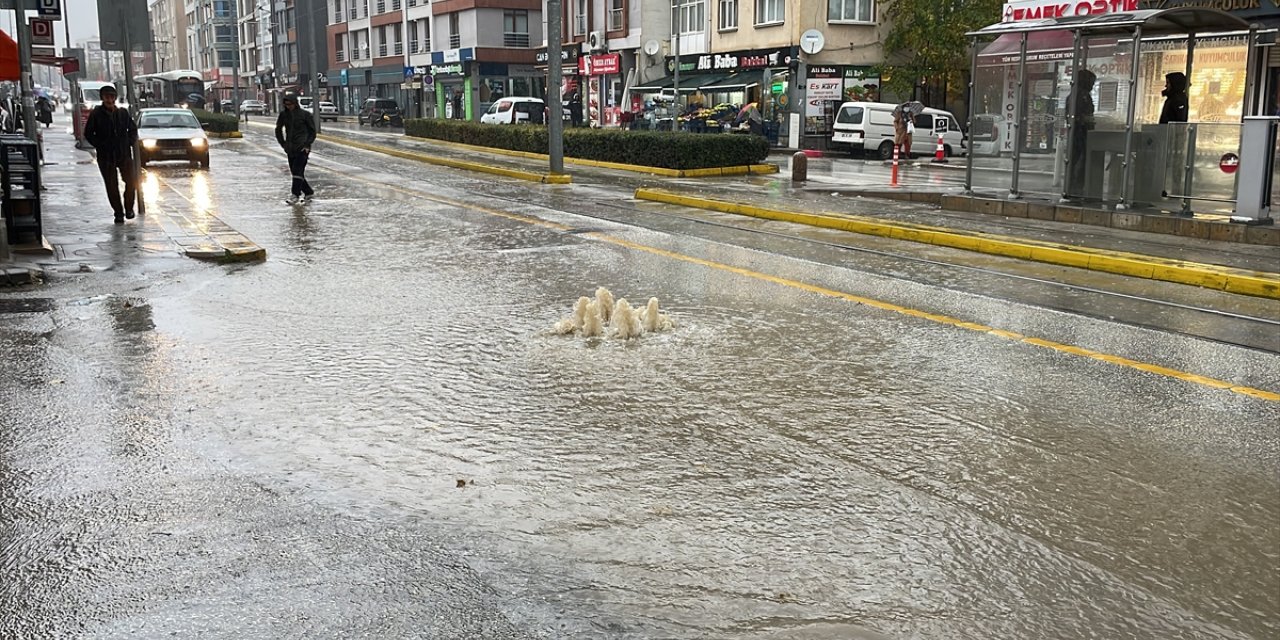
x: 867, y: 127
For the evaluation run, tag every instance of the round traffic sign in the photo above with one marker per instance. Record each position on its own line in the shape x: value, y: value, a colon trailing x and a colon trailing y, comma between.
x: 1229, y: 163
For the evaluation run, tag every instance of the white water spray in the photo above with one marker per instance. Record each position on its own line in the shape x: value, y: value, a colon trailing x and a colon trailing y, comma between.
x: 626, y: 324
x: 591, y: 317
x: 592, y: 323
x: 604, y: 300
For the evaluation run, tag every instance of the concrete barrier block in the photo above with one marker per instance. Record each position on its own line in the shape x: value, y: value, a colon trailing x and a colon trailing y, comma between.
x: 1160, y: 224
x: 1041, y: 211
x: 1126, y: 220
x: 926, y: 197
x: 1067, y: 213
x: 988, y: 206
x: 1016, y: 209
x: 957, y: 203
x: 1096, y: 217
x: 1269, y: 236
x: 1192, y: 228
x: 1227, y: 232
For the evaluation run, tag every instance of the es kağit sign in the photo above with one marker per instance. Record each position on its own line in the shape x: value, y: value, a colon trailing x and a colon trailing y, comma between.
x: 1049, y: 9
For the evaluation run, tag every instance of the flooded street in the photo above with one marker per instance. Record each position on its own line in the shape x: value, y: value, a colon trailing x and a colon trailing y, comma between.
x: 375, y: 433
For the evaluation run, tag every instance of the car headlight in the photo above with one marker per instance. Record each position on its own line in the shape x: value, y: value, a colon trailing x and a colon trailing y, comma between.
x: 197, y: 142
x: 149, y: 144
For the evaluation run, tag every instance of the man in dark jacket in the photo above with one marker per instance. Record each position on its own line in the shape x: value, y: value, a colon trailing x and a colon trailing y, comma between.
x: 1176, y: 104
x: 113, y: 133
x: 296, y: 131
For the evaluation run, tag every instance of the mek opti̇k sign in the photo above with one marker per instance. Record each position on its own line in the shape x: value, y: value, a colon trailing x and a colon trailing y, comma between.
x: 1025, y: 10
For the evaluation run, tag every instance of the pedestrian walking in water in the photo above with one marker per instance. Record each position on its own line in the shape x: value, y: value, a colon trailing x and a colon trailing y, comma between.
x: 296, y: 131
x: 112, y: 132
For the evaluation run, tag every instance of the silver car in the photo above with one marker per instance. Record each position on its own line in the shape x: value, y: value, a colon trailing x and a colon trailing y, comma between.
x: 172, y: 134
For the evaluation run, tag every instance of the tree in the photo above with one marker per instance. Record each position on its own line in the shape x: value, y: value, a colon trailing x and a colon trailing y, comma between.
x: 926, y: 44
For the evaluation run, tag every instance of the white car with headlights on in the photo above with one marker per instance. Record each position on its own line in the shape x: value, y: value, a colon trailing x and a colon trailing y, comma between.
x: 172, y: 134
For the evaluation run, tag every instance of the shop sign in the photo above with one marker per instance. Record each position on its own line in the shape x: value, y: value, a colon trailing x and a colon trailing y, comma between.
x: 820, y: 91
x: 735, y: 61
x: 1024, y: 10
x: 453, y: 55
x: 824, y: 72
x: 446, y: 69
x: 600, y: 65
x: 420, y: 71
x: 567, y: 54
x: 1246, y: 7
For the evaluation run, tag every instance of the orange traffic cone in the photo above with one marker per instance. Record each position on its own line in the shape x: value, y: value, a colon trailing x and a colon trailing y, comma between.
x: 941, y: 154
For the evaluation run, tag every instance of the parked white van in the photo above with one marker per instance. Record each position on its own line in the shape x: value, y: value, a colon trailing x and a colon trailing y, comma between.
x: 867, y: 127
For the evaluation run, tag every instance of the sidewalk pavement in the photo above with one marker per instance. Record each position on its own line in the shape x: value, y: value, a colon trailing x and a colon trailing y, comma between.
x: 80, y: 234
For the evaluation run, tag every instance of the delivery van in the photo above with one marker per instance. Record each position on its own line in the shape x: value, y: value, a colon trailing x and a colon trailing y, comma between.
x: 867, y: 127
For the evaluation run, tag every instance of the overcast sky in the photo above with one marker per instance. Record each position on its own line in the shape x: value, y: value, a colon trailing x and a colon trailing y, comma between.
x: 83, y: 14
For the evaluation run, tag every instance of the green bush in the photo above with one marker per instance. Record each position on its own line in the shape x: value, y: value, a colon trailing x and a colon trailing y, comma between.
x: 216, y: 122
x: 662, y: 149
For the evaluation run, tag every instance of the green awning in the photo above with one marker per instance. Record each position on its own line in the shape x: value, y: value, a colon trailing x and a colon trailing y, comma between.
x: 689, y: 83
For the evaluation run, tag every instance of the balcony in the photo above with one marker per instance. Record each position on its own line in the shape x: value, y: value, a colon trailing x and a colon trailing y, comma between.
x: 395, y: 5
x: 337, y: 16
x: 615, y: 19
x: 352, y: 13
x: 398, y: 49
x: 381, y: 7
x: 382, y: 50
x: 455, y: 40
x: 340, y: 56
x: 413, y: 47
x: 520, y: 40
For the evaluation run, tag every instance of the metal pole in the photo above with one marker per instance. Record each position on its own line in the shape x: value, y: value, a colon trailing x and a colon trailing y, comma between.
x: 130, y: 96
x: 555, y: 76
x: 235, y: 64
x: 973, y: 98
x: 1251, y: 74
x: 1125, y: 188
x: 24, y: 64
x: 675, y: 28
x: 1019, y: 114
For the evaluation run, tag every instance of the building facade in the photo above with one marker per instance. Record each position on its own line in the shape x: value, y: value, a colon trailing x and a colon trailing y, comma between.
x: 211, y: 44
x: 169, y: 33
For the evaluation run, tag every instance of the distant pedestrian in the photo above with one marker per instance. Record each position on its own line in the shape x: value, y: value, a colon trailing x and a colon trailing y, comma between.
x: 296, y: 131
x: 575, y: 108
x: 113, y: 133
x: 1176, y: 103
x: 904, y: 126
x: 44, y: 111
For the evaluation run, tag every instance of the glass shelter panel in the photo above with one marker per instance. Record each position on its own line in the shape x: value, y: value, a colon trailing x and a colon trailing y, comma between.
x: 1098, y: 126
x: 991, y: 130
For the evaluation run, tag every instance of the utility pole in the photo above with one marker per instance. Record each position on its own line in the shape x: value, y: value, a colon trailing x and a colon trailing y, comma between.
x: 555, y: 76
x: 235, y: 63
x: 675, y: 28
x: 131, y: 97
x: 24, y: 65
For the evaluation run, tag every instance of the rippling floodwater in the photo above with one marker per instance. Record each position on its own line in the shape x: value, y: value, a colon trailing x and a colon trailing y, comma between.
x: 781, y: 466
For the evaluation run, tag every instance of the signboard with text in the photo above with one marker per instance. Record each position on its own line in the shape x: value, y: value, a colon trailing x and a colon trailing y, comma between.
x: 600, y: 65
x: 1031, y: 10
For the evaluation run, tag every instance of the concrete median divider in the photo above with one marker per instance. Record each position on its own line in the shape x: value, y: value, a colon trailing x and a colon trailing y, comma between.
x: 1232, y: 280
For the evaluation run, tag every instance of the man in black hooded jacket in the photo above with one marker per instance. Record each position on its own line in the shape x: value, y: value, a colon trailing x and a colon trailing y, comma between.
x: 1176, y: 104
x: 296, y: 132
x: 112, y: 132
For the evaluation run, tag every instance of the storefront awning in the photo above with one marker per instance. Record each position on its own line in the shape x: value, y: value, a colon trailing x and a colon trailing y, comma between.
x: 689, y: 83
x: 735, y: 82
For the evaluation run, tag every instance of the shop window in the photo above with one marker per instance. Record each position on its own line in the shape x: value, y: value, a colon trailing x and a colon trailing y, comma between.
x: 515, y: 28
x: 850, y: 11
x: 617, y: 13
x: 728, y: 15
x: 770, y: 12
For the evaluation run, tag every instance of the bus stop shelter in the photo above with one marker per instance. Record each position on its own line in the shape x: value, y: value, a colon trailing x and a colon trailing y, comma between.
x: 1068, y: 108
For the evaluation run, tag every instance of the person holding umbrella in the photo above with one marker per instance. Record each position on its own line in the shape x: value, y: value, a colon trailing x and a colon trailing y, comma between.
x: 904, y: 125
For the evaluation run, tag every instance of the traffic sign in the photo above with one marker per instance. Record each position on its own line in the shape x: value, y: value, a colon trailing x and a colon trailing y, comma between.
x: 49, y: 9
x: 41, y: 32
x: 1229, y: 163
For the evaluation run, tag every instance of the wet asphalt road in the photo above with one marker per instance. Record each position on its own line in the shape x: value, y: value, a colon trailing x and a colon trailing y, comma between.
x: 274, y: 450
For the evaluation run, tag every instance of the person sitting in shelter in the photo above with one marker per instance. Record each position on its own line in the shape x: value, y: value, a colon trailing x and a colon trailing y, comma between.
x: 1176, y: 104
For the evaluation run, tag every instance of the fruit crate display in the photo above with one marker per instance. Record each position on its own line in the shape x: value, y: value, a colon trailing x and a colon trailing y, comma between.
x: 20, y: 173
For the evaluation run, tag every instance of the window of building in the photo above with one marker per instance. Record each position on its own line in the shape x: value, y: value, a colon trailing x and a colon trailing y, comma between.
x: 381, y: 7
x: 340, y: 47
x: 224, y: 34
x: 617, y: 14
x: 691, y: 15
x: 728, y: 15
x: 515, y: 28
x: 397, y: 39
x: 226, y: 58
x: 381, y: 34
x: 222, y: 8
x: 579, y: 17
x: 455, y: 31
x: 850, y: 10
x: 770, y: 11
x: 337, y: 11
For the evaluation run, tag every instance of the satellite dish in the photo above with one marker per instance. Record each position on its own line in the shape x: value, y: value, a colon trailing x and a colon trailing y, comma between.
x: 812, y: 41
x: 651, y: 47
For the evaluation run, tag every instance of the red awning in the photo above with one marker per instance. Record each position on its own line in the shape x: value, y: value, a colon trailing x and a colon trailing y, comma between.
x: 9, y: 69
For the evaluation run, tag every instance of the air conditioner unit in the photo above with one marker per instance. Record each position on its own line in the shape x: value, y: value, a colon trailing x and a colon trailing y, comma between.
x: 595, y: 41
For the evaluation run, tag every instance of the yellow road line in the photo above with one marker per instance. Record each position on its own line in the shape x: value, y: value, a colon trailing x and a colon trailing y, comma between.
x: 1242, y: 281
x: 870, y: 302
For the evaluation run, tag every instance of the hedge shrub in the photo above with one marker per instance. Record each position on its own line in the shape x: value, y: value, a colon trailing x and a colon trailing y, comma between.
x: 216, y: 122
x: 664, y: 149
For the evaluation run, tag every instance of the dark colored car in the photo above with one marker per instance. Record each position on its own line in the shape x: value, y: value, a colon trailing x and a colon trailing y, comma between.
x: 374, y: 108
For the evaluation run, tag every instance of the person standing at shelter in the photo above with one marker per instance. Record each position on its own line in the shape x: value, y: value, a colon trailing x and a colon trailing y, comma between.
x: 1176, y: 104
x: 112, y: 132
x: 296, y: 131
x: 1082, y: 110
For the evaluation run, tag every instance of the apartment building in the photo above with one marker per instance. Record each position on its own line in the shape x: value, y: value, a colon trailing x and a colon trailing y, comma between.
x: 451, y: 58
x: 211, y: 44
x: 255, y: 44
x: 169, y: 33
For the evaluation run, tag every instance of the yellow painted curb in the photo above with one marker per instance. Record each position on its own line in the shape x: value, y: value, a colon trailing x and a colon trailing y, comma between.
x: 226, y: 134
x: 546, y: 178
x: 601, y: 164
x: 1242, y: 281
